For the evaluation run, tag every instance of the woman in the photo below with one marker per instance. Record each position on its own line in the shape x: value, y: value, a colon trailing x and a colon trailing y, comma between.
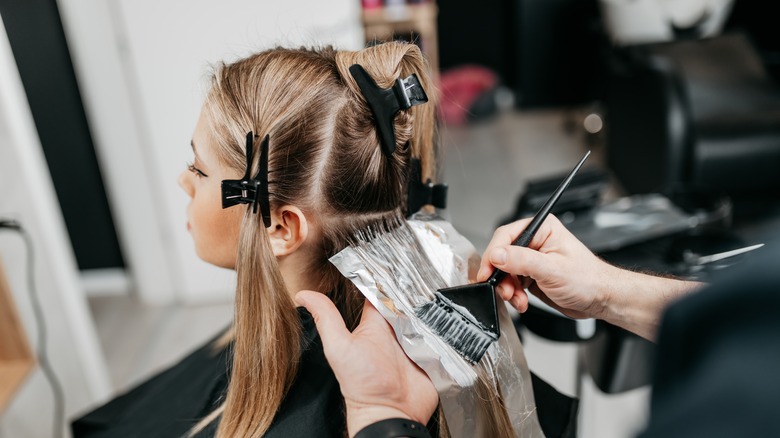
x: 328, y: 175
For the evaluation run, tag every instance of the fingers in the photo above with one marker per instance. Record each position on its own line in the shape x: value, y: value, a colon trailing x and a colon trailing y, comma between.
x: 519, y: 301
x: 520, y: 261
x: 505, y: 235
x: 507, y: 288
x: 512, y: 291
x: 330, y: 324
x: 534, y: 289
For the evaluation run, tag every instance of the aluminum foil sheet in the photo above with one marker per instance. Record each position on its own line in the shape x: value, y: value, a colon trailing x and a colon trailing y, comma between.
x: 400, y: 270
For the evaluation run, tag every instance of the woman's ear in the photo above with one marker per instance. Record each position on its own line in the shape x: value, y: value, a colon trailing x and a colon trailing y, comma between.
x: 289, y: 229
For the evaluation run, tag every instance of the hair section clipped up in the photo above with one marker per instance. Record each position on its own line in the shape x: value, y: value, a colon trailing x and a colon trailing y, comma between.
x: 385, y: 103
x: 250, y: 190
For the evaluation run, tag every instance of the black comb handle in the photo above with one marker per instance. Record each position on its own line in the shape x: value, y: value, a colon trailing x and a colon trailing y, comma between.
x: 524, y: 239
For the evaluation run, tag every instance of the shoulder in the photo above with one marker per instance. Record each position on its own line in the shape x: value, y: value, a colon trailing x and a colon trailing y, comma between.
x: 314, y: 401
x: 167, y: 404
x: 718, y: 352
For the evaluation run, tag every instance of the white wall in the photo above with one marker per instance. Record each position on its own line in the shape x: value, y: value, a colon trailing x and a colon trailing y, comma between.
x: 166, y: 50
x: 27, y: 195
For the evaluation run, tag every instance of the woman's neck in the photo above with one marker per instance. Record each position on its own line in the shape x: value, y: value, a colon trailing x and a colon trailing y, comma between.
x: 297, y: 277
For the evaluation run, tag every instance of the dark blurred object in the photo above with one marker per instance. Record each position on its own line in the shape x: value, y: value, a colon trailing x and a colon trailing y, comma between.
x: 549, y: 52
x: 685, y: 254
x: 710, y: 210
x: 627, y: 221
x: 604, y: 227
x: 699, y: 114
x: 618, y: 360
x: 467, y: 94
x: 584, y: 192
x: 641, y: 231
x: 557, y: 412
x: 50, y: 84
x: 758, y: 20
x: 559, y: 52
x: 555, y: 327
x: 476, y: 34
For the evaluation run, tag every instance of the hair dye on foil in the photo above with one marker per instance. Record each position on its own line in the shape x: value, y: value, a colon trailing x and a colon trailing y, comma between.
x: 398, y: 271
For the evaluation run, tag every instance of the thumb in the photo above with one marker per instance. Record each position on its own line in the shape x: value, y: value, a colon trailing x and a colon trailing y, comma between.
x: 370, y: 314
x: 518, y: 260
x: 330, y: 324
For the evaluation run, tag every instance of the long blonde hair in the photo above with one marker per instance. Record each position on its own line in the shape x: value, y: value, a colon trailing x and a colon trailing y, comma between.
x: 325, y: 159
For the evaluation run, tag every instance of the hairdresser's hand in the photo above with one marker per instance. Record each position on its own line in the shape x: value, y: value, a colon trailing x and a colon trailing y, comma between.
x: 556, y: 267
x: 378, y: 381
x: 562, y: 272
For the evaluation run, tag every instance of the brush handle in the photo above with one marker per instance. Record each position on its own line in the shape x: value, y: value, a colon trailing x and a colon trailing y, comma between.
x: 524, y: 239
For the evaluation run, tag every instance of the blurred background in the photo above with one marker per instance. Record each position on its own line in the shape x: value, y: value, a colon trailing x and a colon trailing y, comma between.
x: 678, y: 100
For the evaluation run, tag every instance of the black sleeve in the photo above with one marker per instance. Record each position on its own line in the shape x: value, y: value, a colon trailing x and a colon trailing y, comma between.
x: 718, y: 361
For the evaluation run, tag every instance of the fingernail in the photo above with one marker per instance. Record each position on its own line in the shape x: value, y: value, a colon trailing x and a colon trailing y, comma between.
x: 500, y: 290
x: 481, y: 274
x: 498, y: 256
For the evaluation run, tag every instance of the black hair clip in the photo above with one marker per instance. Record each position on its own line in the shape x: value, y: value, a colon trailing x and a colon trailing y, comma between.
x: 423, y: 193
x: 385, y: 103
x: 250, y: 190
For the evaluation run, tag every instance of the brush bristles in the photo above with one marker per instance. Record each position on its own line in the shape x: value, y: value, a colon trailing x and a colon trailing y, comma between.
x: 458, y: 330
x: 393, y: 255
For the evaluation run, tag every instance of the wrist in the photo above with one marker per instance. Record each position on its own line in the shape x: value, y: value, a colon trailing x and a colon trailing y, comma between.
x: 359, y: 417
x: 635, y: 301
x: 616, y: 297
x: 607, y: 287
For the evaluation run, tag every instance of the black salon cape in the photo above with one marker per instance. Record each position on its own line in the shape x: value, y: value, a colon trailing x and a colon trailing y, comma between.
x: 170, y: 403
x: 718, y: 360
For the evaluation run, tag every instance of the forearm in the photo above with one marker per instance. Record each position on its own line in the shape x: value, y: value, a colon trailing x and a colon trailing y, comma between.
x: 636, y: 301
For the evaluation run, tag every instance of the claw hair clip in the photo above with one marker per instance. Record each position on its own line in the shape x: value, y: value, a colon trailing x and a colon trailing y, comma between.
x: 423, y: 193
x: 386, y: 102
x: 248, y: 190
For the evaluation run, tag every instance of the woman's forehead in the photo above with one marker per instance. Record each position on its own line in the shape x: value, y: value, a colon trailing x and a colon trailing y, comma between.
x: 207, y: 148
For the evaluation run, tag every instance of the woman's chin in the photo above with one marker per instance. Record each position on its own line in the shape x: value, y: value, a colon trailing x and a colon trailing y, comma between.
x: 213, y: 259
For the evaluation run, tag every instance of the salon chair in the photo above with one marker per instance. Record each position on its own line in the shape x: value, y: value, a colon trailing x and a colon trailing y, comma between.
x: 698, y: 114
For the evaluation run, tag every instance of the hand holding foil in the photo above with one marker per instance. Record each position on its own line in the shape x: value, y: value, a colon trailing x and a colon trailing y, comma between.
x: 359, y: 358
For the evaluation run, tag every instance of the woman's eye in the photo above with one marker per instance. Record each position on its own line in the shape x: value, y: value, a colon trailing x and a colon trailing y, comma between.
x: 195, y: 170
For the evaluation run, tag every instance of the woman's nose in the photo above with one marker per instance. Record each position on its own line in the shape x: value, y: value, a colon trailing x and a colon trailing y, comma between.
x: 184, y: 182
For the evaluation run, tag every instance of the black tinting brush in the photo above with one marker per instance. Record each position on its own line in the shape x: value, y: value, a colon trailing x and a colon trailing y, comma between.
x: 466, y: 316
